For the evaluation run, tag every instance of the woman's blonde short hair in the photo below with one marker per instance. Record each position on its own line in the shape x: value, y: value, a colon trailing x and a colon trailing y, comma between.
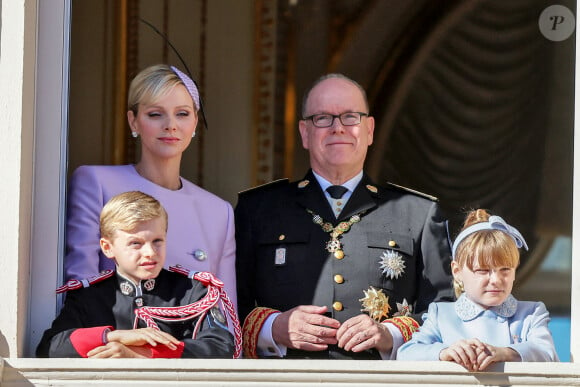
x: 151, y: 84
x: 127, y: 210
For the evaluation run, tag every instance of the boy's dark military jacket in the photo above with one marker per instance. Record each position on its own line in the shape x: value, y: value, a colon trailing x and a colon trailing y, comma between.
x: 273, y: 220
x: 112, y: 302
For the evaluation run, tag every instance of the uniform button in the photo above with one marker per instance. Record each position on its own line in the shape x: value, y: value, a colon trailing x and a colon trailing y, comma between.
x: 392, y: 243
x: 337, y: 305
x: 338, y: 279
x: 281, y: 237
x: 339, y: 254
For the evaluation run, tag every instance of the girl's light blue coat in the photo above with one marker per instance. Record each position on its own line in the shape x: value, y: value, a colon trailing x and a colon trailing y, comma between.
x: 521, y: 325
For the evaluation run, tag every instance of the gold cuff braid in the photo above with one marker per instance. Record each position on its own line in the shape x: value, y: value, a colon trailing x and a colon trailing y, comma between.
x: 406, y: 325
x: 251, y: 330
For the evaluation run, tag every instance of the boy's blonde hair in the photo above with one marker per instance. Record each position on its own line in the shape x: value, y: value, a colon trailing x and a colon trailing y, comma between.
x: 126, y: 210
x: 486, y: 248
x: 151, y: 84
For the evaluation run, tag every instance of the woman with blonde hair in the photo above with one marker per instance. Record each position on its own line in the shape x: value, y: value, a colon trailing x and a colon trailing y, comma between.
x: 163, y: 106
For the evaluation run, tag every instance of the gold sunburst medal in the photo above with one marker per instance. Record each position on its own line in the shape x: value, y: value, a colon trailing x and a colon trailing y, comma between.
x: 375, y: 303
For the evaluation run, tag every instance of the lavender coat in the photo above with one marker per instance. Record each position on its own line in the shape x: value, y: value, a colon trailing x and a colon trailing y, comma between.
x: 198, y: 221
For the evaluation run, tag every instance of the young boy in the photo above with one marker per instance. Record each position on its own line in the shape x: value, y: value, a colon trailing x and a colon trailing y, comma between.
x: 140, y: 310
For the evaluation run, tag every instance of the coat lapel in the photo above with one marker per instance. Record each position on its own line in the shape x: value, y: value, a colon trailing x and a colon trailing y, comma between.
x: 310, y: 196
x: 362, y: 199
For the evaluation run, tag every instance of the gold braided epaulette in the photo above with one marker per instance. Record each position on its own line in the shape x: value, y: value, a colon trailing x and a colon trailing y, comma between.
x: 270, y: 184
x: 412, y: 191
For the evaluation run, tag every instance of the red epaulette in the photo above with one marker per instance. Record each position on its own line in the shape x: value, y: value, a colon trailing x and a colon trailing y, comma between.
x: 84, y: 283
x: 182, y: 270
x: 202, y: 276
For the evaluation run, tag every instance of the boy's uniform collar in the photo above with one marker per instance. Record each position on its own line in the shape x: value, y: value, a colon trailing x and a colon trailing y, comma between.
x: 129, y: 288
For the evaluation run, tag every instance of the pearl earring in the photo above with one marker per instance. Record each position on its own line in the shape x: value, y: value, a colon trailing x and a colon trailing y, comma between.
x: 134, y: 134
x: 458, y: 285
x: 193, y: 135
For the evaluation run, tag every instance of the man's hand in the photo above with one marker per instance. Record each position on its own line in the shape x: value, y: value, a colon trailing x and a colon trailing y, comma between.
x: 142, y: 336
x: 361, y: 332
x: 305, y: 327
x: 117, y: 350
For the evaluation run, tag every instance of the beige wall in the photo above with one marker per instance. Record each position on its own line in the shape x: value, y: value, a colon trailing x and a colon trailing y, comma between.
x: 17, y: 53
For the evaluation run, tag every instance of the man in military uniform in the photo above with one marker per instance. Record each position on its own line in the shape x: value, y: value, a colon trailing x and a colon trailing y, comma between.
x: 334, y: 266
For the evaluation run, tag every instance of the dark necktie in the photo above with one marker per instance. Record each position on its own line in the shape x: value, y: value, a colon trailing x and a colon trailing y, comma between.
x: 336, y: 191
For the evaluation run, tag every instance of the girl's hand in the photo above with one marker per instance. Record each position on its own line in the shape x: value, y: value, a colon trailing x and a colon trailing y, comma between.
x: 494, y: 354
x: 466, y: 352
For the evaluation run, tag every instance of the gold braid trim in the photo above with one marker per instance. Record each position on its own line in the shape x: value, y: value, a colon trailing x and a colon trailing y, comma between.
x: 406, y: 325
x: 251, y: 330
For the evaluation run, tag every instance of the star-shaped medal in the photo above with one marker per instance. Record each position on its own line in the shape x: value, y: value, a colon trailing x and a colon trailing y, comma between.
x: 392, y: 264
x: 403, y: 309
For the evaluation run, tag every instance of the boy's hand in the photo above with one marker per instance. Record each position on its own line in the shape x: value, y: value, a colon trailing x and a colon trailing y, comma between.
x: 142, y: 336
x: 117, y: 350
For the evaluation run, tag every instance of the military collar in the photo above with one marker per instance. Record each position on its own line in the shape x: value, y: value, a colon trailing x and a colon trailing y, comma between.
x: 363, y: 199
x: 468, y: 310
x: 350, y: 184
x: 310, y: 196
x: 129, y: 288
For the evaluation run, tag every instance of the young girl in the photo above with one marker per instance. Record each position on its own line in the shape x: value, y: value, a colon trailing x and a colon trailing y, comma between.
x: 486, y: 324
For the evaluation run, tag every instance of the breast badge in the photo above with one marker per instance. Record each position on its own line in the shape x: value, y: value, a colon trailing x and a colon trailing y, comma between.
x: 403, y: 309
x: 392, y: 264
x: 375, y: 303
x: 217, y: 314
x: 280, y: 256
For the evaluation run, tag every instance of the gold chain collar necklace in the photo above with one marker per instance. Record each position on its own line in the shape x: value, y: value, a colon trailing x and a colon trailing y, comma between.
x: 333, y: 245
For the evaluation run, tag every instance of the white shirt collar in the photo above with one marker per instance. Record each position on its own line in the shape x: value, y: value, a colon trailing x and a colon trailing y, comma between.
x: 349, y: 184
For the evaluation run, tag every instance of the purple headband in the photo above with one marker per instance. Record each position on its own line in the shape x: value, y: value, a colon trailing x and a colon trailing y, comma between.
x: 189, y: 85
x: 494, y: 223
